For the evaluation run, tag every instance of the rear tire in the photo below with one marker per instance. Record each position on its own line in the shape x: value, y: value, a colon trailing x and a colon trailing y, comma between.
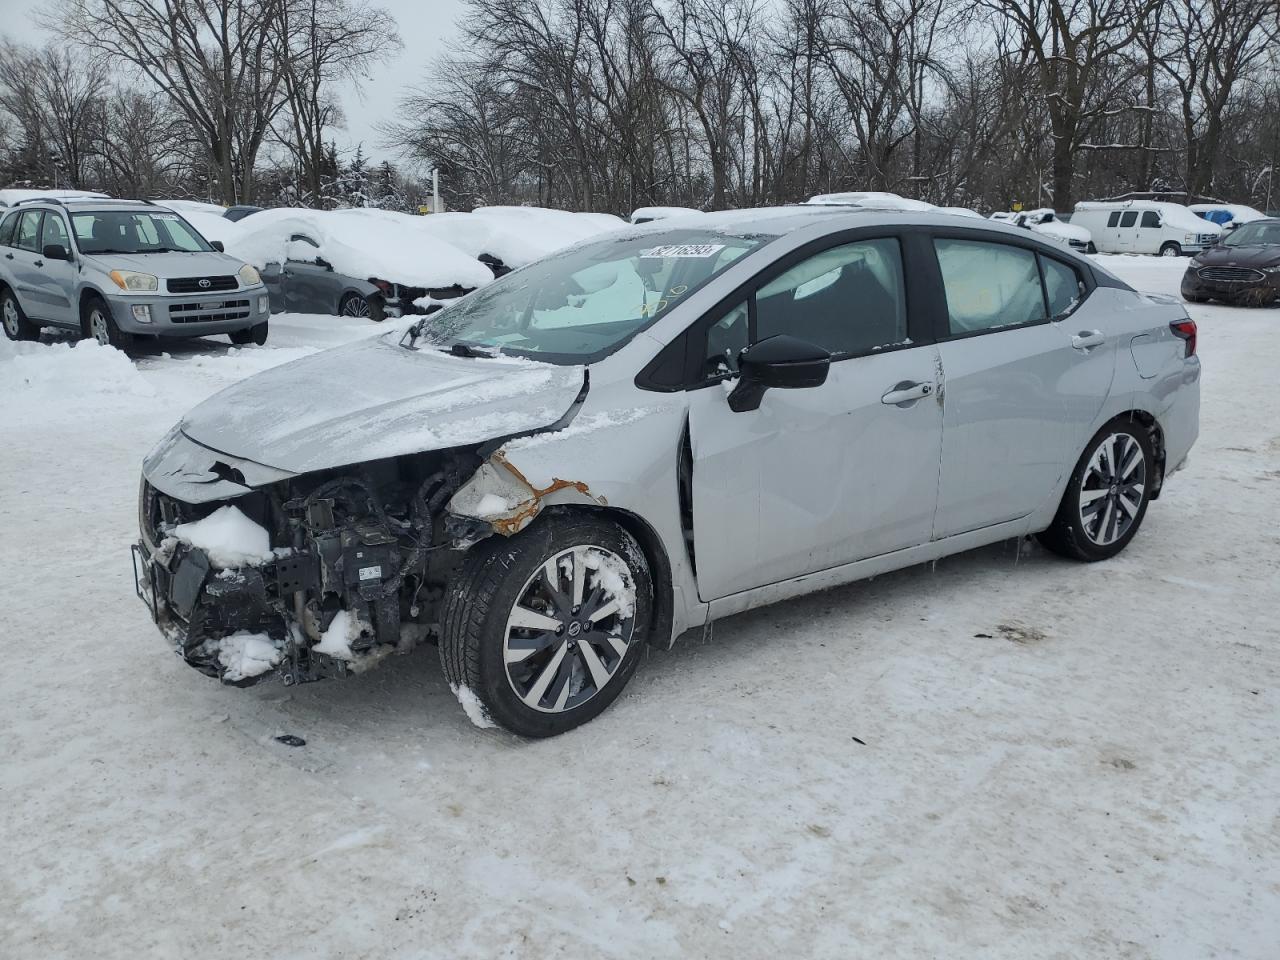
x: 16, y: 324
x: 1105, y: 501
x: 572, y: 655
x: 1171, y: 249
x: 257, y: 334
x: 98, y: 323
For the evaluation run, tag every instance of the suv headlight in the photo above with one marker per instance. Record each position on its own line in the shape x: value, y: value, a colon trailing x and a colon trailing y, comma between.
x: 249, y: 275
x: 134, y: 282
x: 1274, y: 269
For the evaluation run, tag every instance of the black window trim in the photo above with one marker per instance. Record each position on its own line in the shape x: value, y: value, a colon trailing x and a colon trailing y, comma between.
x: 66, y: 229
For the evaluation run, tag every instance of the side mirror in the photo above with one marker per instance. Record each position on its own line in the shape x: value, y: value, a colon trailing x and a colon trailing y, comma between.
x: 218, y: 245
x: 784, y: 362
x: 55, y: 251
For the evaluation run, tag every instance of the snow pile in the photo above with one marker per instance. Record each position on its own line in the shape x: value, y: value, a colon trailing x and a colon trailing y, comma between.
x: 9, y: 197
x: 871, y: 199
x: 245, y: 655
x: 612, y: 576
x: 516, y: 235
x: 213, y: 227
x: 472, y: 706
x: 193, y: 206
x: 647, y: 214
x: 336, y: 640
x: 67, y: 371
x: 229, y: 538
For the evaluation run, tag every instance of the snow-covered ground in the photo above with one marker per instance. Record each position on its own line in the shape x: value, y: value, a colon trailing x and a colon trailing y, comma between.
x: 1005, y: 755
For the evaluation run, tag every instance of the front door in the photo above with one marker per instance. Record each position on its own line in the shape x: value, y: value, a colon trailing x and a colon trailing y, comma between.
x: 821, y: 476
x: 1019, y: 398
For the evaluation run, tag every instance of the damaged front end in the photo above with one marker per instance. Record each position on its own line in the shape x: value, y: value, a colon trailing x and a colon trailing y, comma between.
x: 310, y: 577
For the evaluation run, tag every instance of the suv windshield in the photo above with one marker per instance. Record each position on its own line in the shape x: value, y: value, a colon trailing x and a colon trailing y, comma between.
x: 1254, y: 235
x: 582, y: 304
x: 135, y: 231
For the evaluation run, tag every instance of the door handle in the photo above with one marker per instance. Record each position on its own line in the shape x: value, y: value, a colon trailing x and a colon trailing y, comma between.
x: 906, y: 392
x: 39, y: 263
x: 8, y: 256
x: 1088, y: 339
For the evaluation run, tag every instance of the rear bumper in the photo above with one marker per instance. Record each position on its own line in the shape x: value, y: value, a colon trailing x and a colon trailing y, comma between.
x: 186, y: 315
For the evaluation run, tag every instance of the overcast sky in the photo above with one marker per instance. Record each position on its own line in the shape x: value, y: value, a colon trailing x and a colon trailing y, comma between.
x: 426, y: 26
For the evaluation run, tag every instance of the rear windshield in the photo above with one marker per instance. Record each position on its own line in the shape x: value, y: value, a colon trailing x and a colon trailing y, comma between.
x: 135, y: 231
x: 582, y: 304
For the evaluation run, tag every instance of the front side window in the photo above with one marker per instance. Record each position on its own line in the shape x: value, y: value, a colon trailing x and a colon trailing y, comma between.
x: 989, y: 285
x: 1150, y: 219
x: 54, y: 232
x: 585, y: 302
x: 1128, y: 218
x: 27, y: 236
x: 848, y: 299
x: 130, y: 231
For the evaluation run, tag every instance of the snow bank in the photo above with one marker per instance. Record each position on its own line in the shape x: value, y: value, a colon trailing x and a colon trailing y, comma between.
x: 59, y: 372
x: 213, y: 226
x: 516, y: 235
x: 229, y: 538
x: 193, y: 206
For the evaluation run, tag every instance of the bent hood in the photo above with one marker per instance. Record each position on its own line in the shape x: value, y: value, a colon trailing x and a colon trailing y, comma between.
x: 375, y: 399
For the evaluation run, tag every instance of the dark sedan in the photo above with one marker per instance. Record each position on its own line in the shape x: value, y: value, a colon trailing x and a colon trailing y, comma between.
x: 1244, y: 268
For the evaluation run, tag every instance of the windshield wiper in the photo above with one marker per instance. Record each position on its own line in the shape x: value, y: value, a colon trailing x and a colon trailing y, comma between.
x: 461, y: 349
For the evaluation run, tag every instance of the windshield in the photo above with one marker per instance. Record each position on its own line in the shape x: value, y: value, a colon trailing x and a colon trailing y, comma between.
x: 135, y: 231
x: 1254, y: 235
x: 582, y: 304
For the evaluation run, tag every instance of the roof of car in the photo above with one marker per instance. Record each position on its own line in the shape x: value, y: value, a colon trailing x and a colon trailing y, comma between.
x: 780, y: 220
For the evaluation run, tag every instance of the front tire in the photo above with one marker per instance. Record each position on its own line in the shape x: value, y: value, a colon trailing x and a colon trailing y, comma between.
x: 546, y: 628
x: 1171, y: 249
x: 99, y: 324
x: 1092, y: 248
x: 16, y: 324
x: 257, y: 334
x: 1107, y: 495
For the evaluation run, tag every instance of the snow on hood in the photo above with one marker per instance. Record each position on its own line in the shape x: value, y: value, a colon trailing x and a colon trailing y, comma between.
x: 1063, y: 231
x: 214, y: 226
x: 871, y: 199
x: 515, y: 235
x: 661, y: 213
x: 374, y: 399
x: 360, y: 243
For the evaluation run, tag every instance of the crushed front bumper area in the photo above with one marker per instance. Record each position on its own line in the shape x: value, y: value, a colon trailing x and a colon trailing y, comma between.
x: 191, y: 601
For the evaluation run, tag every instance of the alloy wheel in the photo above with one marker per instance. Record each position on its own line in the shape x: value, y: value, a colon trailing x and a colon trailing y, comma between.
x: 1112, y: 489
x: 11, y: 317
x: 98, y: 327
x: 570, y: 629
x: 355, y: 307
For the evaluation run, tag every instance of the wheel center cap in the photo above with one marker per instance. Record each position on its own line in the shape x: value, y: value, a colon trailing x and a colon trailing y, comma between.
x: 1114, y: 489
x: 575, y: 628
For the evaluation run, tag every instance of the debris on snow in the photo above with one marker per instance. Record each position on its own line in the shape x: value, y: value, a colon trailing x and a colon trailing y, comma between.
x: 229, y: 538
x: 472, y: 706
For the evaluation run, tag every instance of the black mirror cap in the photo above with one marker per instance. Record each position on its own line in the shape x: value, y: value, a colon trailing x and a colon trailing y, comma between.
x: 218, y: 245
x: 783, y: 362
x: 56, y: 251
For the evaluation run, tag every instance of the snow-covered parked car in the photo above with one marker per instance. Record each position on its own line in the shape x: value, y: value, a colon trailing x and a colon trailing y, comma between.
x: 1226, y: 215
x: 649, y: 214
x: 1050, y: 224
x: 634, y: 436
x: 1145, y: 226
x: 116, y: 269
x: 376, y: 263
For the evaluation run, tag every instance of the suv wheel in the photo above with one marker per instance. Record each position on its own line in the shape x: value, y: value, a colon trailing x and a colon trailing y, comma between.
x: 16, y: 324
x: 257, y: 334
x: 101, y: 325
x: 545, y: 629
x: 1171, y: 249
x: 1107, y: 495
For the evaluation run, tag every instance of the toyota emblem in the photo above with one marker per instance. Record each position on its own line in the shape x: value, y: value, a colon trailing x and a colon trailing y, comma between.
x: 205, y: 284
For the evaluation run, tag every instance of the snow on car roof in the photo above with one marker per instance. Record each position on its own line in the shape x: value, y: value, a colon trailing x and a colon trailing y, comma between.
x: 13, y: 195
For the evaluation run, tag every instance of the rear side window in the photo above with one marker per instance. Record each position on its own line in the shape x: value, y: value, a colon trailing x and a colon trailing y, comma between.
x: 989, y: 285
x: 1128, y: 218
x: 1062, y: 287
x: 846, y: 299
x: 1150, y: 219
x: 1113, y: 219
x: 54, y: 232
x: 28, y: 233
x: 7, y: 226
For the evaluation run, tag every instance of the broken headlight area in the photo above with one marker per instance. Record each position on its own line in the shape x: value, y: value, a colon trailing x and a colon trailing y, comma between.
x: 309, y: 578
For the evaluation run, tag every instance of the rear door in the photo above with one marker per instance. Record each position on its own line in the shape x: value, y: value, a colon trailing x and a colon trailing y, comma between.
x: 56, y: 279
x: 21, y: 261
x: 827, y: 475
x: 1019, y: 398
x: 1127, y: 232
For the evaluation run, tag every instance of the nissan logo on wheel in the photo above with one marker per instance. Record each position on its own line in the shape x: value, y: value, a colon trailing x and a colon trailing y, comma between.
x: 205, y: 284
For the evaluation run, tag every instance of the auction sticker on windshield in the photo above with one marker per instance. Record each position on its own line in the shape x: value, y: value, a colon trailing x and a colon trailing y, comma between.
x: 684, y: 250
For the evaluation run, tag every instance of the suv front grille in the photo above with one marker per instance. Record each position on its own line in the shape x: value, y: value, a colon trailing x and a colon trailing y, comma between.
x: 1231, y: 274
x: 201, y: 284
x: 209, y: 311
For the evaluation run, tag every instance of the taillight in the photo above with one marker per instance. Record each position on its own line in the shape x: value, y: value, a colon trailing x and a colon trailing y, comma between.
x: 1185, y: 330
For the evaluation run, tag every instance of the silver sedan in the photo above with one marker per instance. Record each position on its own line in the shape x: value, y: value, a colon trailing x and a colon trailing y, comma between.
x: 656, y: 428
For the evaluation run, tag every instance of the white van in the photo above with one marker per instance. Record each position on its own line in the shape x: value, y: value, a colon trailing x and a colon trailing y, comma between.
x: 1145, y: 226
